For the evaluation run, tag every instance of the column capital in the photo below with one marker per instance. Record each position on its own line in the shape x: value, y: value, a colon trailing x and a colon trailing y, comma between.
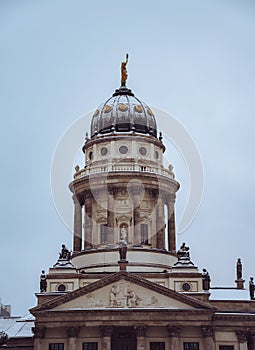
x: 72, y: 332
x: 39, y: 332
x: 173, y: 331
x: 140, y: 330
x: 106, y: 331
x: 207, y: 331
x: 242, y: 336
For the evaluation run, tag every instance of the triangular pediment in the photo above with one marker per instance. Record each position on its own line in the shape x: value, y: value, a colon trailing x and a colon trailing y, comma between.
x: 122, y: 290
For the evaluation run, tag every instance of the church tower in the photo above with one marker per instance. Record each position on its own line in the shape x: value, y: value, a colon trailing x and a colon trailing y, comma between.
x: 124, y: 193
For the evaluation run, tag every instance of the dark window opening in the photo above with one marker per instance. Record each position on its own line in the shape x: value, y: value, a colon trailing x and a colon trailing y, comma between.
x: 61, y: 288
x: 103, y: 234
x: 190, y: 346
x: 144, y: 234
x: 89, y: 346
x: 157, y: 346
x: 56, y: 346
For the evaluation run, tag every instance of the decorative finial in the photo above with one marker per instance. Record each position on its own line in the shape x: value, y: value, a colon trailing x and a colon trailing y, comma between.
x: 124, y: 74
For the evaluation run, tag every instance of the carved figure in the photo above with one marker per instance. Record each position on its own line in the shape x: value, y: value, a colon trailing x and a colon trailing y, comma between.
x: 132, y: 299
x: 206, y: 279
x: 239, y: 269
x: 183, y: 251
x: 65, y: 253
x: 251, y: 288
x: 123, y: 233
x: 113, y: 296
x: 124, y: 74
x: 43, y: 282
x: 123, y: 249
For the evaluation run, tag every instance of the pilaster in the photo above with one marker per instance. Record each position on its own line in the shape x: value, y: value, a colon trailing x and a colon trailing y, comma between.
x: 174, y: 334
x: 140, y: 336
x: 242, y: 340
x: 72, y: 333
x: 106, y: 332
x: 208, y: 334
x: 39, y: 333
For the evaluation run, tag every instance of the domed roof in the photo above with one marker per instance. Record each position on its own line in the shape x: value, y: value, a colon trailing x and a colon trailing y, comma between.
x: 123, y: 112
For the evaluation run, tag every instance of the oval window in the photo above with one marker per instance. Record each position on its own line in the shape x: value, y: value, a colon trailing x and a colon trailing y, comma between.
x: 123, y: 149
x: 142, y: 151
x: 104, y: 151
x: 61, y: 288
x: 90, y: 155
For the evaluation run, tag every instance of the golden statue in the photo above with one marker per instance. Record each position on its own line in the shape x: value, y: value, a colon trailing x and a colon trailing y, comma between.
x: 124, y: 74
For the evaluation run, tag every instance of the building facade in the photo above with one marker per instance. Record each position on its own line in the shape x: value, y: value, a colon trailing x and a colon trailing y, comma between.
x: 126, y: 286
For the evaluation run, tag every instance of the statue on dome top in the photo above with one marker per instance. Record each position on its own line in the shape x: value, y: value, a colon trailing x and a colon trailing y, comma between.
x: 124, y: 74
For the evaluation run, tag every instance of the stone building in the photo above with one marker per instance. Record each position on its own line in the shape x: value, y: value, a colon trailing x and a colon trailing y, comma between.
x: 126, y: 286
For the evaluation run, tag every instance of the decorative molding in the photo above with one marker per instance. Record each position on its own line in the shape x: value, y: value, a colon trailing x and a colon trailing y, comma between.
x: 140, y: 330
x: 173, y: 331
x: 106, y: 331
x: 242, y: 336
x: 39, y: 332
x: 72, y: 332
x: 207, y: 331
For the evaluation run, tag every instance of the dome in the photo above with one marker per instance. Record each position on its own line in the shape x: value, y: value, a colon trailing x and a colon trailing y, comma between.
x: 123, y: 112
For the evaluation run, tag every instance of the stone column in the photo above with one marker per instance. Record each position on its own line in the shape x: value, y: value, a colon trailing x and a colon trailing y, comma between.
x: 171, y: 224
x: 72, y: 333
x: 136, y: 192
x: 208, y: 333
x: 174, y: 334
x: 140, y: 337
x: 160, y: 222
x: 39, y: 333
x: 88, y: 221
x: 242, y: 340
x: 106, y: 332
x: 77, y: 226
x: 110, y: 218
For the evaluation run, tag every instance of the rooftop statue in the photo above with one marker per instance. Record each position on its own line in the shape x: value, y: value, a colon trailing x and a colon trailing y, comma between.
x: 183, y: 251
x: 239, y: 269
x: 43, y: 282
x: 65, y: 254
x: 206, y: 279
x: 124, y: 74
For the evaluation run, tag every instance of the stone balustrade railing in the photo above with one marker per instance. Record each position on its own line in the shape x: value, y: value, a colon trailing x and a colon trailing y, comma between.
x: 123, y: 167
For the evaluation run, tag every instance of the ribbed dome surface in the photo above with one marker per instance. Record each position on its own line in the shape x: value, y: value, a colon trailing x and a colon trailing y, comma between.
x: 123, y: 112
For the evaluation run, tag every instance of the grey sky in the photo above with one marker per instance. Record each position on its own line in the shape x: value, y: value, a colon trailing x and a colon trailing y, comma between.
x: 60, y: 59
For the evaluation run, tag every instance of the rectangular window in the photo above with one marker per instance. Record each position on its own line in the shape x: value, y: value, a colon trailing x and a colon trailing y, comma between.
x: 226, y: 347
x: 103, y: 234
x: 89, y: 346
x: 190, y: 346
x: 157, y: 346
x: 56, y: 346
x: 144, y: 234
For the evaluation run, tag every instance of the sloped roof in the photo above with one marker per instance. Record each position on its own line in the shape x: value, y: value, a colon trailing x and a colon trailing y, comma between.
x: 16, y: 327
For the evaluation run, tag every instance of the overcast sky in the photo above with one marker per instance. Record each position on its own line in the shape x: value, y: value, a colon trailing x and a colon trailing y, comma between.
x: 60, y: 59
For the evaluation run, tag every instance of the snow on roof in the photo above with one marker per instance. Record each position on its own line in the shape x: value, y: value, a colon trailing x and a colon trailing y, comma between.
x: 229, y: 294
x: 17, y: 326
